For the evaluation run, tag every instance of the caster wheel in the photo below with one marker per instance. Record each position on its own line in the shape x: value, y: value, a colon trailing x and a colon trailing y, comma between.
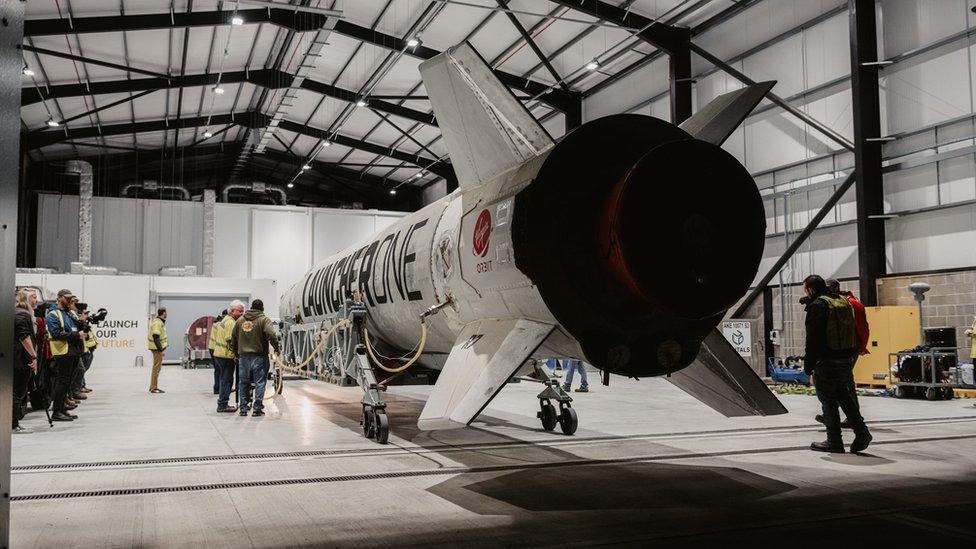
x: 548, y: 417
x: 900, y: 392
x: 369, y: 428
x: 933, y: 393
x: 948, y: 393
x: 382, y: 427
x: 567, y: 421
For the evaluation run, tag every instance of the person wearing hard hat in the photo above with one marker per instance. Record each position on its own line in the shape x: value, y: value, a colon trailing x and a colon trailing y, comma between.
x: 224, y: 356
x: 158, y: 342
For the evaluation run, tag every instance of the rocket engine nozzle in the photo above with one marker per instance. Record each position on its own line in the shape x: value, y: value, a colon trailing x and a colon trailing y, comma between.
x: 639, y: 238
x: 678, y: 229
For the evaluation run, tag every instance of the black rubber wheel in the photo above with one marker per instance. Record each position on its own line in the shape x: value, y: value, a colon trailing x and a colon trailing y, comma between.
x: 369, y: 428
x: 568, y: 421
x: 933, y: 393
x: 548, y: 417
x: 382, y: 427
x: 900, y: 392
x: 948, y: 393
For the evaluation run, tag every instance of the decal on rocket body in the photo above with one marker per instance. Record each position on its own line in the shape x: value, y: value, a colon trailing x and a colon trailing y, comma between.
x: 325, y: 289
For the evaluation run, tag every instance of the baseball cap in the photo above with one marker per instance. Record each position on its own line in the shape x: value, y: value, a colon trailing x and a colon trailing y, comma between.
x: 63, y: 293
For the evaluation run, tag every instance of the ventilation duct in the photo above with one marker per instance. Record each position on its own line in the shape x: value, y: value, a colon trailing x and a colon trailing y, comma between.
x: 36, y: 270
x: 209, y: 204
x: 188, y: 270
x: 256, y: 187
x: 85, y: 191
x: 79, y: 268
x: 155, y: 186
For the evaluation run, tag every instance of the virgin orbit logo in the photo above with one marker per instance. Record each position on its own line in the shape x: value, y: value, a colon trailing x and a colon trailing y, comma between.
x: 482, y: 234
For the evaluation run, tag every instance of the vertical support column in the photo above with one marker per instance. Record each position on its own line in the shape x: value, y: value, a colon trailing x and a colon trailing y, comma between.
x: 86, y: 191
x: 867, y: 148
x: 767, y: 307
x: 209, y: 205
x: 680, y: 84
x: 574, y: 116
x: 11, y: 64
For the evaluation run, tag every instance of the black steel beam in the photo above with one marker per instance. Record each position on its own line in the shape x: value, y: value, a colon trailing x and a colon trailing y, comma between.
x: 667, y: 37
x: 267, y: 78
x: 867, y: 147
x: 680, y: 82
x: 92, y: 61
x: 46, y: 137
x: 108, y: 106
x: 794, y: 246
x: 535, y: 48
x: 290, y: 19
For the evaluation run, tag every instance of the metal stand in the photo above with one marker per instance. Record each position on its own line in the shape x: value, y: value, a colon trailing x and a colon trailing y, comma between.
x: 342, y: 361
x: 931, y: 390
x: 566, y: 417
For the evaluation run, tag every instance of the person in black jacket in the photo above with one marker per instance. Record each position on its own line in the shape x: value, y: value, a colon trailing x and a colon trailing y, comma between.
x: 831, y: 350
x: 25, y: 354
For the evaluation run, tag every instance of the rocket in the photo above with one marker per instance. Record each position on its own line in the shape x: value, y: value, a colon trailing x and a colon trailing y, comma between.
x: 622, y: 245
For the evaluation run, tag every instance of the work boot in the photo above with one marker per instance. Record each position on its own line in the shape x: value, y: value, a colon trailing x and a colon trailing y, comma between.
x: 567, y: 388
x: 18, y: 430
x: 68, y: 404
x: 79, y: 396
x: 72, y: 416
x: 227, y: 409
x: 257, y: 413
x: 827, y: 446
x: 861, y: 442
x: 583, y: 390
x: 86, y: 390
x: 61, y: 416
x: 156, y: 391
x: 242, y: 413
x: 844, y: 423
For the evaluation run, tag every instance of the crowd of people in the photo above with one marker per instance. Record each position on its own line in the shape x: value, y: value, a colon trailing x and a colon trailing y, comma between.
x: 239, y: 344
x: 54, y: 348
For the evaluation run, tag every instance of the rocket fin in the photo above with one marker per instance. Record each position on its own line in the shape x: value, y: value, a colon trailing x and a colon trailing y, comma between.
x: 486, y: 354
x: 486, y: 129
x: 716, y: 121
x: 720, y: 378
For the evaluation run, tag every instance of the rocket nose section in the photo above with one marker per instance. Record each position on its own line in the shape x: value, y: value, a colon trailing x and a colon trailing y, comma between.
x: 684, y: 228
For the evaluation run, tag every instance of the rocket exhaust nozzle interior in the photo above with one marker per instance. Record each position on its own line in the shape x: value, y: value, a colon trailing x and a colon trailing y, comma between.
x: 639, y: 238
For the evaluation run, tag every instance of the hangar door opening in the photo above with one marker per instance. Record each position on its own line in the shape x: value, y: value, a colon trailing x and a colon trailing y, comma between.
x: 182, y: 310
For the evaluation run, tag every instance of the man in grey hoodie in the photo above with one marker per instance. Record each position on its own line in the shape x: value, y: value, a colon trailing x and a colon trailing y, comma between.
x: 251, y: 338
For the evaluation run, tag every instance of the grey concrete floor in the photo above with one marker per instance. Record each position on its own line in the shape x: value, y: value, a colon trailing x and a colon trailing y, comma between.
x: 649, y: 466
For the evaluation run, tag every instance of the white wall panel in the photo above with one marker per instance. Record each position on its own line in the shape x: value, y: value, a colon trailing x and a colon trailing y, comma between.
x: 924, y: 90
x: 623, y: 95
x: 782, y: 62
x: 232, y: 237
x: 773, y: 139
x: 940, y: 239
x: 911, y: 189
x: 334, y: 232
x: 57, y: 230
x: 957, y: 180
x: 117, y: 233
x: 910, y: 24
x: 172, y: 234
x: 280, y: 245
x: 827, y: 51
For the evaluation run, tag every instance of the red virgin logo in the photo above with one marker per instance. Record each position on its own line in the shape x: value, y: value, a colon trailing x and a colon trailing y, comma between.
x: 482, y: 234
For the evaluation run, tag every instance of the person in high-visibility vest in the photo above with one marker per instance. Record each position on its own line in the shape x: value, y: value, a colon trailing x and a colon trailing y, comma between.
x: 971, y: 332
x: 67, y: 345
x: 210, y: 349
x: 224, y: 356
x: 91, y: 343
x: 158, y: 342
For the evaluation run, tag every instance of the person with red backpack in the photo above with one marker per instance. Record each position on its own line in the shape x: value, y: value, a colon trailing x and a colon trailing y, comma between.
x: 831, y: 350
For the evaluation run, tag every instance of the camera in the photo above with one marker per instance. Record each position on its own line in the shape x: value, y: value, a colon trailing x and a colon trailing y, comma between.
x: 98, y: 317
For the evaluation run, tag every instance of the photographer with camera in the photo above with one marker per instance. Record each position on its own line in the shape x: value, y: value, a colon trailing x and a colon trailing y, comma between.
x: 85, y: 322
x: 67, y: 345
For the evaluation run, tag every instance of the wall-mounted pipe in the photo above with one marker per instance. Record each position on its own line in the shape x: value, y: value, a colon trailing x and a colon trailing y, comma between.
x: 256, y: 187
x: 85, y: 192
x: 155, y: 186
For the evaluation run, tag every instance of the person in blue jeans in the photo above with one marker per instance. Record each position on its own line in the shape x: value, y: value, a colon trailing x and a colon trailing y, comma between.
x: 251, y: 339
x: 571, y: 366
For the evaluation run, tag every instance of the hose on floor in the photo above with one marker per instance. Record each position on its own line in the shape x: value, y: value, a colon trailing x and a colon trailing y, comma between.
x: 296, y: 368
x: 379, y: 364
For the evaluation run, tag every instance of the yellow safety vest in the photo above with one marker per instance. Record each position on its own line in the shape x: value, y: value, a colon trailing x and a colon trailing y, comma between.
x: 972, y: 354
x: 157, y: 327
x: 210, y: 340
x: 220, y: 336
x: 58, y: 347
x: 91, y: 342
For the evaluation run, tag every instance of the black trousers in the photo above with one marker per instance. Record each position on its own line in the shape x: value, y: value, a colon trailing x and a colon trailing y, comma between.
x: 65, y: 367
x: 834, y: 380
x: 21, y: 378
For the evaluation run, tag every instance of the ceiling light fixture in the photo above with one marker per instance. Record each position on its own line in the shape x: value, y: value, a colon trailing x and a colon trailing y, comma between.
x: 327, y: 143
x: 392, y: 191
x: 361, y: 103
x: 53, y: 123
x: 237, y: 21
x: 207, y: 134
x: 291, y: 185
x: 218, y: 90
x: 27, y: 71
x: 413, y: 42
x: 306, y: 167
x: 593, y: 65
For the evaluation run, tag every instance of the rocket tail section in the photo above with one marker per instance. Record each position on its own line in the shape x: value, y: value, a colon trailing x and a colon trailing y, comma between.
x: 486, y: 129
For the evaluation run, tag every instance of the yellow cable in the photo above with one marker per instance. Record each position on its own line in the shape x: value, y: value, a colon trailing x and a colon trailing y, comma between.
x: 295, y: 368
x: 376, y: 361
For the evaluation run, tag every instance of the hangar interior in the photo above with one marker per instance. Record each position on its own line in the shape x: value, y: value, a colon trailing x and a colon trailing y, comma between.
x: 187, y: 153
